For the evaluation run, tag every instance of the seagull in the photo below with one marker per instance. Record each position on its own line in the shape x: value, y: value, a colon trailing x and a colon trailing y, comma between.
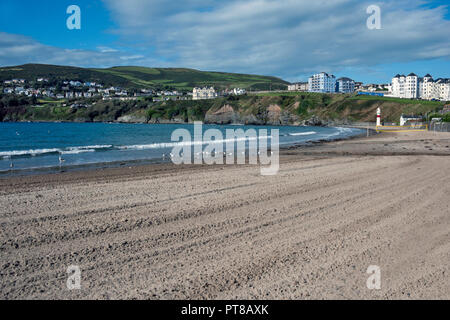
x: 17, y: 133
x: 61, y: 160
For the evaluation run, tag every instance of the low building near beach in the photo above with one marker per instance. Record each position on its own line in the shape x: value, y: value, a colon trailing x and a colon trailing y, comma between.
x: 410, y: 120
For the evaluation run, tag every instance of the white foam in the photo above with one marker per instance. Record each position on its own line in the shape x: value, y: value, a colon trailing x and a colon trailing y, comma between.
x: 340, y: 131
x: 69, y: 150
x: 28, y: 152
x: 303, y: 133
x: 187, y: 143
x: 77, y: 151
x: 106, y: 146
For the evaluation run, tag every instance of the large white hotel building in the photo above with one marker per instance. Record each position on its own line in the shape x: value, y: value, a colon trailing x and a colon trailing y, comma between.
x: 413, y: 87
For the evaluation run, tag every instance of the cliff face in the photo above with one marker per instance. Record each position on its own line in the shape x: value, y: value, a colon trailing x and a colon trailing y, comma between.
x: 131, y: 119
x: 224, y: 115
x: 272, y: 115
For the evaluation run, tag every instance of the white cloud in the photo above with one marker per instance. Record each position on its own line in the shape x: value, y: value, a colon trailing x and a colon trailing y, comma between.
x: 134, y: 57
x: 106, y: 49
x: 18, y: 49
x: 283, y: 37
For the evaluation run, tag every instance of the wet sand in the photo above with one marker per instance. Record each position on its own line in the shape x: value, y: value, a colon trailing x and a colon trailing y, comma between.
x: 226, y: 232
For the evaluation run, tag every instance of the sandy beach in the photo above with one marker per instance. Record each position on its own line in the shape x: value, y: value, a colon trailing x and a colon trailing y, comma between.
x: 226, y: 232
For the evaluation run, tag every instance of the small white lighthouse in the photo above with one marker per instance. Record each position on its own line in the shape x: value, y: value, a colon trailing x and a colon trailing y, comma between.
x: 378, y: 117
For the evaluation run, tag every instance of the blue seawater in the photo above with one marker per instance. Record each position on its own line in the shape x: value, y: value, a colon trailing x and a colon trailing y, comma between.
x: 42, y: 145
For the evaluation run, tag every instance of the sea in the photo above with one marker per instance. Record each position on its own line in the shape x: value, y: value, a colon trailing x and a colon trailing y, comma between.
x: 29, y: 146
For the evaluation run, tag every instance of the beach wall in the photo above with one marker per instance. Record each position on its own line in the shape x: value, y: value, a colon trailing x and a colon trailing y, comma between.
x: 362, y: 125
x: 439, y: 126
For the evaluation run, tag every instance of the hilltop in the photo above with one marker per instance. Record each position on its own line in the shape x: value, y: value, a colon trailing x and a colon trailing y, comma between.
x: 143, y: 77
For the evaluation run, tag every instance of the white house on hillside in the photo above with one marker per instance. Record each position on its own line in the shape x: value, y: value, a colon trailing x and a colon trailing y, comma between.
x: 204, y: 93
x: 299, y: 86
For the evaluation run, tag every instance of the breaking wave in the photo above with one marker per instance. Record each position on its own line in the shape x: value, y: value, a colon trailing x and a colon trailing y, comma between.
x: 41, y: 152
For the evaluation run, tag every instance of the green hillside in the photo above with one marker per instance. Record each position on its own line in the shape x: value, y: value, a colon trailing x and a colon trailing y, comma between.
x: 140, y: 77
x: 272, y: 108
x: 30, y: 72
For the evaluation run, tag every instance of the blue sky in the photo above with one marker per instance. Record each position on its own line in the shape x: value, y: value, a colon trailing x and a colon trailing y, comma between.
x: 45, y: 21
x: 289, y: 38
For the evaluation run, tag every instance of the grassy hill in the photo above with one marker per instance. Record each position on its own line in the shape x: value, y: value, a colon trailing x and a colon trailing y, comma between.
x: 139, y: 77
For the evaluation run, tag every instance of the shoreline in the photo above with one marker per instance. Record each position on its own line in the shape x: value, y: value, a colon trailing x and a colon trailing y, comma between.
x: 175, y: 122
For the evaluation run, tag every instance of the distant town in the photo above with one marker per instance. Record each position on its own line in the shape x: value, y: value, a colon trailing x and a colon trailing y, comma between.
x: 73, y: 89
x: 401, y: 86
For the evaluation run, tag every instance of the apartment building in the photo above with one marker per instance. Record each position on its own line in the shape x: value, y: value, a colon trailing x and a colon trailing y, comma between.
x: 444, y: 89
x: 426, y: 87
x: 406, y: 86
x: 412, y: 86
x: 322, y: 82
x: 345, y: 85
